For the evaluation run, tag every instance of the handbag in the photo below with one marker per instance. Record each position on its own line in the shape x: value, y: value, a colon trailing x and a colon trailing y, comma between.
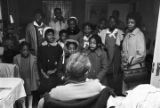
x: 132, y: 75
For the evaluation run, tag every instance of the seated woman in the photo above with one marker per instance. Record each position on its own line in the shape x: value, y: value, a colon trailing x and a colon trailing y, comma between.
x: 77, y: 86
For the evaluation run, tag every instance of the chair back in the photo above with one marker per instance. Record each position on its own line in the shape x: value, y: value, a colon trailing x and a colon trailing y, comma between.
x: 8, y: 70
x: 98, y: 101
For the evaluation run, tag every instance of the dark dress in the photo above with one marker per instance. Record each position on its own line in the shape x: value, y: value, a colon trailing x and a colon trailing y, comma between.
x: 48, y: 59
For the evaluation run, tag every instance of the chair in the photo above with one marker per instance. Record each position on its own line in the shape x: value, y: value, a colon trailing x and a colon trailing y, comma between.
x: 8, y: 70
x: 98, y: 101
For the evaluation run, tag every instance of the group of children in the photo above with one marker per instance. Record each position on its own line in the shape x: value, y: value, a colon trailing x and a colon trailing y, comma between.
x: 46, y: 69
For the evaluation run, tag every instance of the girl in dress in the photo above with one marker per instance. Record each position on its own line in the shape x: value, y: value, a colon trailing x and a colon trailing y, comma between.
x: 27, y: 64
x: 87, y: 33
x: 49, y: 59
x: 98, y: 58
x: 73, y: 29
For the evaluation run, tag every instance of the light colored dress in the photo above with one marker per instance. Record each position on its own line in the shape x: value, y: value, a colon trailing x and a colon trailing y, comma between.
x: 134, y: 51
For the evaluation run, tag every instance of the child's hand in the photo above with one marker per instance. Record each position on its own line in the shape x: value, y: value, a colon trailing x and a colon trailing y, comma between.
x: 44, y: 74
x: 49, y: 72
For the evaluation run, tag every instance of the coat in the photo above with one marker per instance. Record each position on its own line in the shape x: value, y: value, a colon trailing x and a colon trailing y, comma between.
x: 99, y: 63
x: 97, y: 101
x: 34, y: 70
x: 134, y: 49
x: 31, y: 37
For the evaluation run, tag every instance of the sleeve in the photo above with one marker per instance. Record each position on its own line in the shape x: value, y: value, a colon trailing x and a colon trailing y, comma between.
x: 104, y: 66
x: 36, y: 69
x: 60, y: 60
x: 124, y: 52
x: 16, y: 69
x: 27, y: 35
x: 109, y: 48
x: 140, y: 50
x: 39, y: 63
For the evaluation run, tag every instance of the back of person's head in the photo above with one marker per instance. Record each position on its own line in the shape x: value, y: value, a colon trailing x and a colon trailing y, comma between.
x: 77, y: 65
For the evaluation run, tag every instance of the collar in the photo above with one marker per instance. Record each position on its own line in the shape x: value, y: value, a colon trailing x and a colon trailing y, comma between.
x: 86, y: 38
x: 57, y: 20
x: 35, y: 24
x: 98, y: 51
x: 134, y: 32
x: 112, y: 34
x: 45, y: 43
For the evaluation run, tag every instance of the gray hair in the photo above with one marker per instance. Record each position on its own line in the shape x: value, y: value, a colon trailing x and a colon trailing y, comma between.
x: 78, y: 64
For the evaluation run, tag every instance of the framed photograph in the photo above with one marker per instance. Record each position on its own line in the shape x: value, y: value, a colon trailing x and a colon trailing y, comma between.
x: 96, y: 11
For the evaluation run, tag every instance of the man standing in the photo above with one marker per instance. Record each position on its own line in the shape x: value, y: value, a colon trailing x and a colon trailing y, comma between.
x: 58, y: 22
x: 34, y: 31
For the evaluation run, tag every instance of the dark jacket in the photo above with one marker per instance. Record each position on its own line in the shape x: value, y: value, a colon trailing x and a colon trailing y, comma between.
x: 99, y: 62
x: 49, y: 57
x: 98, y: 101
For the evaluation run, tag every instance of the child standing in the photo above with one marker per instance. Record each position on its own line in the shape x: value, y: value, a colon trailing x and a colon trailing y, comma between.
x: 27, y: 64
x: 49, y: 58
x: 71, y: 47
x: 63, y: 35
x: 87, y: 33
x: 98, y: 58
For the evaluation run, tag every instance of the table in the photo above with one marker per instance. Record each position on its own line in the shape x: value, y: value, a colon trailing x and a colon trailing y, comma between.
x: 11, y: 89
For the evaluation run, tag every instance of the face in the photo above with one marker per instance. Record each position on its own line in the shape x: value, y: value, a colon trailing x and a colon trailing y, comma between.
x: 50, y: 37
x: 131, y: 24
x: 38, y: 18
x: 25, y: 51
x: 112, y: 23
x: 102, y: 24
x: 92, y: 44
x: 72, y: 48
x: 87, y: 29
x: 58, y: 13
x: 72, y: 24
x: 63, y: 37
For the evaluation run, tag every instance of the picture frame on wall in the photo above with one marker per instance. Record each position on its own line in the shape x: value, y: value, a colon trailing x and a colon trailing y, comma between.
x: 95, y: 11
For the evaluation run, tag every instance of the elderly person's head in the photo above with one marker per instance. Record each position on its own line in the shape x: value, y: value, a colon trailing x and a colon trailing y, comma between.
x: 77, y: 66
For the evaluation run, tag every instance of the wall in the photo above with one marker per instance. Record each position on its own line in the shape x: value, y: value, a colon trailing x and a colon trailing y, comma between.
x: 149, y: 11
x: 79, y: 10
x: 122, y: 7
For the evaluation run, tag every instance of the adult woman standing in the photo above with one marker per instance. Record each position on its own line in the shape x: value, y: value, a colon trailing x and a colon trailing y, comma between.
x: 133, y: 49
x: 73, y: 30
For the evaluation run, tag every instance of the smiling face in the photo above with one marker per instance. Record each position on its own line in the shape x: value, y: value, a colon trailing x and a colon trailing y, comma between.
x: 25, y: 51
x: 72, y: 48
x: 72, y: 24
x: 92, y: 44
x: 50, y: 37
x: 87, y: 29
